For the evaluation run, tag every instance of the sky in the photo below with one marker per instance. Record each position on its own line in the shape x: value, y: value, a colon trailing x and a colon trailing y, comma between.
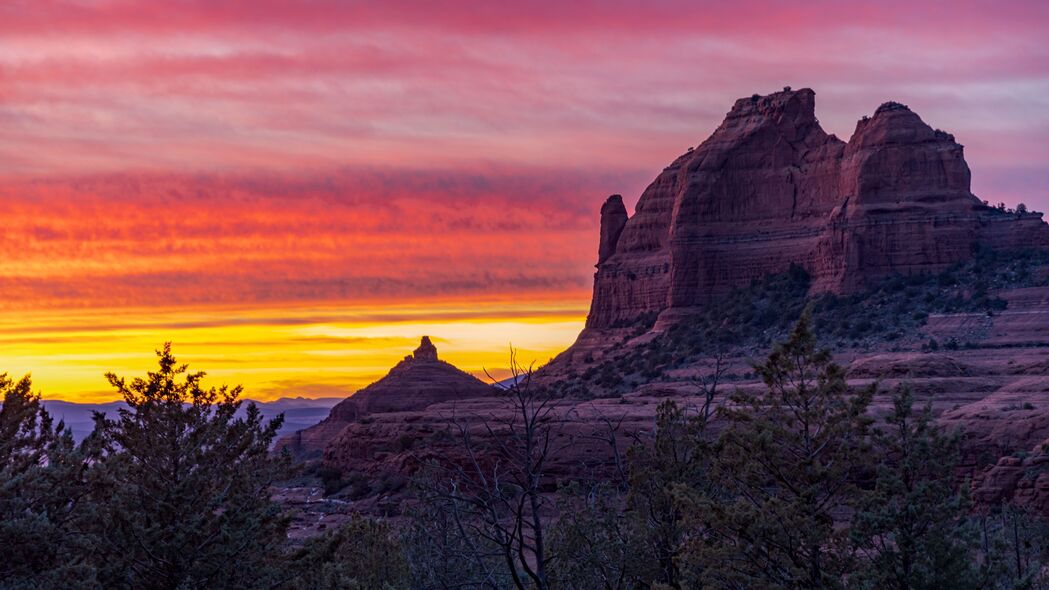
x: 294, y: 192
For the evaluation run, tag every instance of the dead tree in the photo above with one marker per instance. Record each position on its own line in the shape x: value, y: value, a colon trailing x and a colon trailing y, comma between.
x: 708, y: 386
x: 493, y: 486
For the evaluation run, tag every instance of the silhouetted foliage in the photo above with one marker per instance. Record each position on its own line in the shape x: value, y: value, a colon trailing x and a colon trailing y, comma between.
x: 597, y: 544
x: 1014, y: 543
x: 912, y: 529
x: 43, y: 489
x: 364, y: 554
x: 444, y: 551
x: 187, y: 486
x: 674, y: 467
x: 786, y: 467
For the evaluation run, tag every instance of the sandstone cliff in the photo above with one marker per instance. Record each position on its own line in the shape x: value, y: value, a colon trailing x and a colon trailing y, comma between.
x: 770, y: 188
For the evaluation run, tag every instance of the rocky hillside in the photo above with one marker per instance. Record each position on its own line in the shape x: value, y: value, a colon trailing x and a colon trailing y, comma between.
x: 770, y: 189
x: 414, y: 384
x: 910, y: 278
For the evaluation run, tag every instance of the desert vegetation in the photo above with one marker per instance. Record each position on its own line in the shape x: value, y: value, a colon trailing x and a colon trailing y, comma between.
x: 889, y: 315
x: 795, y: 486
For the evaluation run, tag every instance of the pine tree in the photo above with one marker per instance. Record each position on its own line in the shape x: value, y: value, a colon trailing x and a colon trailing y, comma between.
x: 666, y: 479
x: 912, y: 527
x: 787, y: 464
x: 187, y: 485
x: 42, y: 491
x: 441, y: 551
x: 1014, y: 547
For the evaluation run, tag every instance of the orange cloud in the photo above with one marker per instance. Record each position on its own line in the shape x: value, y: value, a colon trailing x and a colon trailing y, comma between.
x: 406, y: 235
x: 293, y: 192
x: 279, y: 351
x: 291, y: 285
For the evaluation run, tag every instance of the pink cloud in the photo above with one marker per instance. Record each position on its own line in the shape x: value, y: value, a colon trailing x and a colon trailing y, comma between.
x: 350, y: 235
x: 213, y: 85
x: 287, y: 151
x: 543, y: 16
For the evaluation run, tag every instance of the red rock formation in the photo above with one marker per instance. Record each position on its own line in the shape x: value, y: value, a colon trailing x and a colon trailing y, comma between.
x: 997, y: 396
x: 415, y: 383
x: 1022, y: 480
x: 767, y: 189
x: 426, y: 352
x: 613, y: 218
x: 770, y: 188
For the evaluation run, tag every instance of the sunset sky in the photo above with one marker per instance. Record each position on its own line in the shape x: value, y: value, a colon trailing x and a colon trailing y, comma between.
x: 294, y: 192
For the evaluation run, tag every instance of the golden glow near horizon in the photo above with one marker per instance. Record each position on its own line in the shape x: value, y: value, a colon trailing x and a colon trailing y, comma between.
x: 308, y: 286
x: 293, y: 215
x: 317, y: 351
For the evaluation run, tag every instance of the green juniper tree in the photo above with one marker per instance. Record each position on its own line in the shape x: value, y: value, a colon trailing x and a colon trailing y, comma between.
x: 42, y: 496
x: 669, y: 479
x: 666, y: 477
x: 786, y: 469
x: 912, y: 529
x: 443, y: 550
x: 1014, y: 547
x: 187, y: 486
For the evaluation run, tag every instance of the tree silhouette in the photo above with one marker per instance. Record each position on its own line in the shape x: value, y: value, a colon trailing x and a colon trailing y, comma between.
x: 42, y: 496
x: 187, y: 485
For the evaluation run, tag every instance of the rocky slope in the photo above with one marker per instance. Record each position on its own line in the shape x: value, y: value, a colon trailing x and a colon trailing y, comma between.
x: 913, y: 279
x: 995, y: 390
x: 769, y: 188
x: 414, y: 384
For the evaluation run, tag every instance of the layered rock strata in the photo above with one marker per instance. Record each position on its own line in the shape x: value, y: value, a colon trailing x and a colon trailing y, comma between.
x: 770, y: 188
x: 414, y: 384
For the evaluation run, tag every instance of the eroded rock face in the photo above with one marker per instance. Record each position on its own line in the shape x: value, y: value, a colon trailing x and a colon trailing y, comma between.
x: 613, y: 218
x: 426, y: 352
x: 996, y: 396
x: 770, y: 188
x: 414, y: 384
x: 1020, y: 480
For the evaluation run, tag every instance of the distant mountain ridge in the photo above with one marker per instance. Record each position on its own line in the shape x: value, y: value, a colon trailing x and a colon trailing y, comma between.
x: 299, y: 412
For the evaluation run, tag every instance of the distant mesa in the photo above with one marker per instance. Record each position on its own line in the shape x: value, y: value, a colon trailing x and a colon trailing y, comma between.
x: 420, y: 380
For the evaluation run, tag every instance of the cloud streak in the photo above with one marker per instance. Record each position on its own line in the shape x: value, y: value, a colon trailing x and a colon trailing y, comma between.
x: 355, y: 236
x: 113, y: 86
x: 260, y: 156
